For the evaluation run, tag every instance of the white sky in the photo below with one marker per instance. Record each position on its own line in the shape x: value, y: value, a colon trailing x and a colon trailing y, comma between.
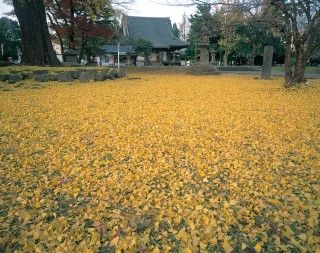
x: 148, y: 8
x: 4, y: 8
x: 152, y: 8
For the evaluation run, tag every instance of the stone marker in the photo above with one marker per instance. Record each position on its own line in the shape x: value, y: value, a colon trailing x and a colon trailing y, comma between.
x: 204, y: 45
x: 203, y: 67
x: 267, y: 62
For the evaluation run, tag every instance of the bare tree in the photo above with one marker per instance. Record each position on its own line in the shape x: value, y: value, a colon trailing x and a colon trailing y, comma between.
x: 302, y: 29
x: 183, y: 27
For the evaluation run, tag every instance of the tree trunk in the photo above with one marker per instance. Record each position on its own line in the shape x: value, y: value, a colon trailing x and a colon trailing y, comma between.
x: 288, y: 82
x: 300, y: 64
x: 53, y: 25
x: 253, y: 55
x: 36, y: 44
x: 72, y: 42
x: 225, y: 58
x: 83, y: 44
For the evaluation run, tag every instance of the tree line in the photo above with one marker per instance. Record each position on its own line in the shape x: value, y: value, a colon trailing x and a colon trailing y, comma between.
x: 241, y: 28
x: 77, y: 25
x: 238, y: 28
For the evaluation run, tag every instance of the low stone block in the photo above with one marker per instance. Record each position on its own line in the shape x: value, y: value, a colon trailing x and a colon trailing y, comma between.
x: 42, y: 78
x: 111, y: 74
x: 120, y: 74
x: 4, y: 77
x: 86, y: 76
x: 40, y: 72
x: 14, y: 78
x: 76, y: 74
x: 53, y: 77
x: 199, y: 70
x: 27, y: 75
x: 100, y: 76
x: 66, y: 76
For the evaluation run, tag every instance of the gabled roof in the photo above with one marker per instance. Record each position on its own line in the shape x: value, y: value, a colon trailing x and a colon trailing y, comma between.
x: 156, y: 30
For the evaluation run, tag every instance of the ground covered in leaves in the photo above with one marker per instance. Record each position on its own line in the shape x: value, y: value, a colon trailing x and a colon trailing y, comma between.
x: 160, y: 163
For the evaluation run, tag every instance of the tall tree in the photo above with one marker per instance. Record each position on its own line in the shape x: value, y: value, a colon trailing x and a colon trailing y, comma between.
x: 302, y: 31
x: 175, y: 30
x: 203, y: 17
x: 76, y: 22
x: 253, y: 36
x: 183, y: 27
x: 298, y: 21
x: 141, y: 47
x: 36, y: 43
x: 230, y: 16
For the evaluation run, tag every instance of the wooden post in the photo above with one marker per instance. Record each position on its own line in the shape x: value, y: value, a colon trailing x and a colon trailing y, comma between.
x: 118, y: 55
x: 267, y: 62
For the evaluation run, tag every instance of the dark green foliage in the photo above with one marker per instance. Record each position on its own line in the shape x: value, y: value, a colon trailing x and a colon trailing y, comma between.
x: 10, y: 35
x: 141, y: 47
x: 203, y: 17
x: 175, y: 30
x: 253, y: 36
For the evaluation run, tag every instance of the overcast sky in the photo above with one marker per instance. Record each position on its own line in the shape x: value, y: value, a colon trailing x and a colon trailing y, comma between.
x: 149, y: 8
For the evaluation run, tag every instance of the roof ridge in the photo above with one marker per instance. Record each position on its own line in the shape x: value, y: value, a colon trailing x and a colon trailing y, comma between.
x: 148, y: 17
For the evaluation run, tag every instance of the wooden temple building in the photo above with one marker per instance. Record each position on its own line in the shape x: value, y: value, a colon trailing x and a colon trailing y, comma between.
x: 156, y: 30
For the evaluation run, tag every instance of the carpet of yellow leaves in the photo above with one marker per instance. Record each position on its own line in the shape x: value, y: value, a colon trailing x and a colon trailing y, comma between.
x: 165, y: 163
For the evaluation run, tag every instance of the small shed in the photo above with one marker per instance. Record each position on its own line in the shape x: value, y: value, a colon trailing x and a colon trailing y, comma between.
x: 156, y: 30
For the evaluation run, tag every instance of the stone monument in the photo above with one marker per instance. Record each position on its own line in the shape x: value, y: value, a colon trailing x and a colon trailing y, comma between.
x: 213, y: 57
x: 267, y: 62
x: 204, y: 46
x: 203, y: 67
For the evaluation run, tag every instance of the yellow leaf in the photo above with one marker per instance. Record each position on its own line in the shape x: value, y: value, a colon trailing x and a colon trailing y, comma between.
x: 257, y: 248
x: 182, y: 235
x: 166, y: 248
x: 155, y: 250
x: 115, y: 241
x: 213, y: 241
x: 275, y: 202
x: 185, y: 250
x: 203, y: 245
x: 227, y: 247
x: 233, y: 202
x: 199, y: 207
x: 303, y: 237
x: 214, y: 201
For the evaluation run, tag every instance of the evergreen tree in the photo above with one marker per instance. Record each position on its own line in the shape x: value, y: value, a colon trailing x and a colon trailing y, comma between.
x: 203, y: 17
x: 10, y: 38
x: 175, y: 30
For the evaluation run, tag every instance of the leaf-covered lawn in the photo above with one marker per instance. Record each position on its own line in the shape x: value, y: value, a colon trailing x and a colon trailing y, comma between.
x: 165, y: 163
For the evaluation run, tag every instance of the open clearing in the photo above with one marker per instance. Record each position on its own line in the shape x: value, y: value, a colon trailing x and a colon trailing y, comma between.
x: 161, y: 163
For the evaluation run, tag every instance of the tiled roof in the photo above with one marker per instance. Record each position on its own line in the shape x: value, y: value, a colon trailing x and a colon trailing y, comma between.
x: 156, y: 30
